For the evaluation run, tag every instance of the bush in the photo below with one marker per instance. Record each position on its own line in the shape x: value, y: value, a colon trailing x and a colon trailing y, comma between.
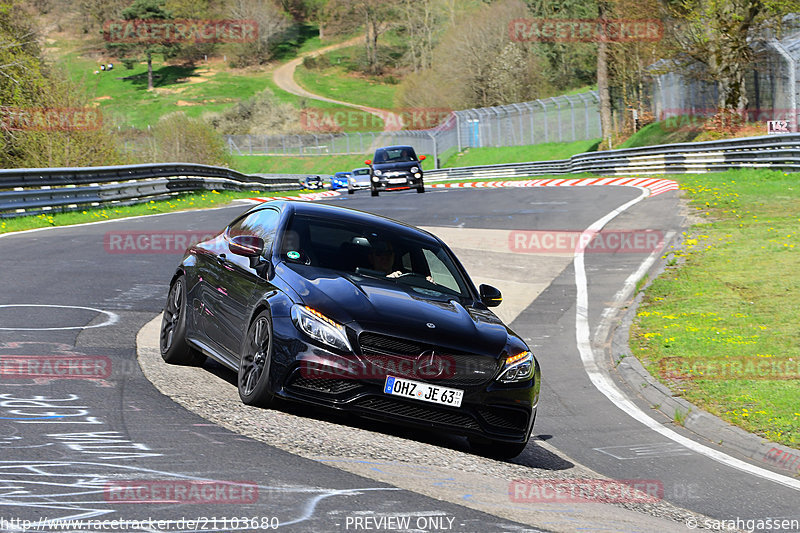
x: 261, y: 114
x: 178, y: 138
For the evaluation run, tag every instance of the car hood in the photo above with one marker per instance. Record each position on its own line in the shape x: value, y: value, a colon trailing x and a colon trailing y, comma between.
x: 394, y: 309
x: 406, y: 166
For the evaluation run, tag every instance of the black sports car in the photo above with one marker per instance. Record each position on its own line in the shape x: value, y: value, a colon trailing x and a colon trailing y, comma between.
x: 349, y: 310
x: 395, y: 167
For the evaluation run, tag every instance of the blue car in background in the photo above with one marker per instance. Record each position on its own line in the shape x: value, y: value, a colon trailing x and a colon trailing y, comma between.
x: 340, y: 180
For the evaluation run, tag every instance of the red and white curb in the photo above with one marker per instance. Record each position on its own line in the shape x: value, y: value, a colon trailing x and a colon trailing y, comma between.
x: 654, y: 186
x: 305, y: 197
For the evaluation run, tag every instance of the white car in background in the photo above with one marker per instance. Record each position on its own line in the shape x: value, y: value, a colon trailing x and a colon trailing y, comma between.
x: 359, y: 179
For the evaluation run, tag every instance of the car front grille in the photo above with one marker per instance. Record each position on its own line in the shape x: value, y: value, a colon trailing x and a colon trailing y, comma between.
x: 328, y: 386
x: 424, y: 413
x: 464, y: 370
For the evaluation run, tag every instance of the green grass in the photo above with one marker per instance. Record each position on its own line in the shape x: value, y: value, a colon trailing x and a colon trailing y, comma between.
x: 327, y: 165
x: 731, y: 296
x: 123, y: 96
x: 337, y: 83
x: 519, y: 154
x: 198, y: 200
x: 665, y: 132
x: 305, y: 39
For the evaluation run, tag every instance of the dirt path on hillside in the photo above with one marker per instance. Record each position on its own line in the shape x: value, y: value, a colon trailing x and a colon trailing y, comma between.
x: 284, y: 78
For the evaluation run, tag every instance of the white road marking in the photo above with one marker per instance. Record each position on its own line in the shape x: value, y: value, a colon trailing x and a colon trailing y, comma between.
x: 609, y: 389
x: 113, y: 318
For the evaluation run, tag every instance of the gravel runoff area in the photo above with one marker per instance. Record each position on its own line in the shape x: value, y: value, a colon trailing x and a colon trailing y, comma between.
x: 442, y: 467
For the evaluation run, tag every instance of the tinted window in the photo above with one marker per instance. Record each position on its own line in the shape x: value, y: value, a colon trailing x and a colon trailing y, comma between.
x: 395, y: 155
x: 262, y: 223
x: 365, y: 250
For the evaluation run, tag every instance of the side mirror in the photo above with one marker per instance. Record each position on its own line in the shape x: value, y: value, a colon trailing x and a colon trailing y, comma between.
x: 368, y: 162
x: 490, y: 296
x: 246, y: 245
x: 422, y: 158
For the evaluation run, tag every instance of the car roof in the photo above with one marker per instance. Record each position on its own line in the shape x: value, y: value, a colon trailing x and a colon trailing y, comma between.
x: 397, y: 147
x: 332, y: 212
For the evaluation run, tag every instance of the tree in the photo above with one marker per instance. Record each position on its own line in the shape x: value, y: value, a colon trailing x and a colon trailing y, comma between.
x: 716, y: 33
x: 421, y: 21
x: 272, y: 22
x: 144, y: 10
x: 377, y: 17
x: 602, y: 77
x: 476, y: 64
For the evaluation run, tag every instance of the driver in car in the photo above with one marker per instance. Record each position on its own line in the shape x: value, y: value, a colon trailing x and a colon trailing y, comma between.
x: 381, y: 258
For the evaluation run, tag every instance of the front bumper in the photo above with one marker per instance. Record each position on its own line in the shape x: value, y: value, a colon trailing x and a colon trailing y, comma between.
x: 404, y: 181
x: 502, y: 412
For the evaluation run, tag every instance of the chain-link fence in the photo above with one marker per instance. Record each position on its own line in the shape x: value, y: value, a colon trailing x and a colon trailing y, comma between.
x: 771, y: 85
x: 558, y: 119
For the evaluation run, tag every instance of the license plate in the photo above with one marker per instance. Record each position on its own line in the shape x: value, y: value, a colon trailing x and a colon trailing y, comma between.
x: 397, y: 180
x: 423, y: 391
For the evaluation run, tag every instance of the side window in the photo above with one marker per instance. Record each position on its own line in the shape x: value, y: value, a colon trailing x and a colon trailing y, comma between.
x: 262, y: 223
x: 439, y: 272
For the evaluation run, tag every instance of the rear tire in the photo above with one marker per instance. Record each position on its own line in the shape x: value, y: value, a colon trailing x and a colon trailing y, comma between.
x: 496, y: 449
x: 256, y: 361
x: 174, y: 348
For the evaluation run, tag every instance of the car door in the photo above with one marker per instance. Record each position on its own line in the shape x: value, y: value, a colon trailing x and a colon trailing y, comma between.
x: 235, y: 281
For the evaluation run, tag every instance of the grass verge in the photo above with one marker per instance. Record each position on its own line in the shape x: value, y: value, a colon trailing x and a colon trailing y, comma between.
x: 197, y: 200
x: 720, y: 326
x: 519, y: 154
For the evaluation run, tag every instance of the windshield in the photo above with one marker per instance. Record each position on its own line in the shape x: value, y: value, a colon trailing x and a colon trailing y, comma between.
x: 361, y: 172
x: 395, y: 155
x: 362, y: 251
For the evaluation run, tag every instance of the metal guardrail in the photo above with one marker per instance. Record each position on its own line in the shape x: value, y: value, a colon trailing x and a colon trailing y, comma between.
x: 773, y: 151
x: 31, y: 191
x: 35, y: 190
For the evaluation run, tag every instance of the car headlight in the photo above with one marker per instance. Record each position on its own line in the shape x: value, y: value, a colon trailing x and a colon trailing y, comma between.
x: 375, y: 179
x: 417, y: 175
x: 517, y: 368
x: 414, y: 169
x: 319, y: 327
x: 378, y: 172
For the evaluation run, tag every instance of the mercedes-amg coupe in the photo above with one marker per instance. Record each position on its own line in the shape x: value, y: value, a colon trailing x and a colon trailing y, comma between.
x: 352, y: 311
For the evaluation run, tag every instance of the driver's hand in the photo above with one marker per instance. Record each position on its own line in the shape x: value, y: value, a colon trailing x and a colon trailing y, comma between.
x: 430, y: 279
x: 395, y: 274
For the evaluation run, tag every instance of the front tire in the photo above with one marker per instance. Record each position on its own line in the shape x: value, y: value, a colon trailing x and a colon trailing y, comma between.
x: 351, y: 191
x: 254, y: 367
x: 373, y: 191
x: 420, y: 188
x: 174, y: 348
